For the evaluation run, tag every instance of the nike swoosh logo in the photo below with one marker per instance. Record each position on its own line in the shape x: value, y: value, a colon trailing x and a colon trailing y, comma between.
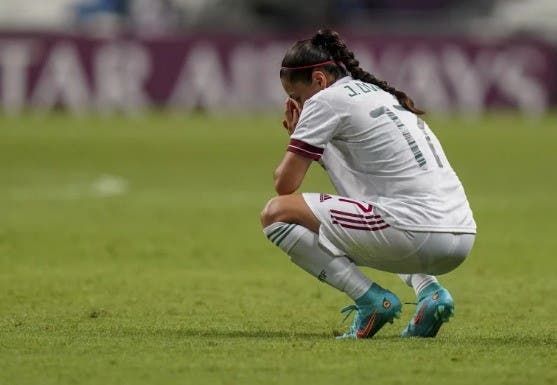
x: 420, y: 315
x: 364, y: 333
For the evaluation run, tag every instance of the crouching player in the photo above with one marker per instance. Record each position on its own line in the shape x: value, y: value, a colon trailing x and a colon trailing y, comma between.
x: 400, y: 206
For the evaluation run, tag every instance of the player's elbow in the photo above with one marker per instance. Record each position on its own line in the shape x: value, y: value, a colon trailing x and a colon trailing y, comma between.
x: 284, y: 188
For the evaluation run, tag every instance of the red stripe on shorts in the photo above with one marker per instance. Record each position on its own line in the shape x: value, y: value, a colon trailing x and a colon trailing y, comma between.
x: 357, y: 221
x: 362, y: 228
x: 355, y: 215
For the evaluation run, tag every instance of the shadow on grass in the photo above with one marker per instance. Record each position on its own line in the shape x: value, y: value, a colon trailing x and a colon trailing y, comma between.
x: 255, y: 333
x: 267, y: 334
x: 533, y: 339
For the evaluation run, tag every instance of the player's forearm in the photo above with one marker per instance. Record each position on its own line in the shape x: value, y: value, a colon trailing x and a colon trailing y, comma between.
x: 290, y: 173
x: 284, y: 185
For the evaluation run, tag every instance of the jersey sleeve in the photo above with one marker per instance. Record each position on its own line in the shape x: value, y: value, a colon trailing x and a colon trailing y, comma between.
x: 316, y: 126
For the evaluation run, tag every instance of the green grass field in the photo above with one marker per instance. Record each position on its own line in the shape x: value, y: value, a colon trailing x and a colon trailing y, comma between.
x: 131, y: 253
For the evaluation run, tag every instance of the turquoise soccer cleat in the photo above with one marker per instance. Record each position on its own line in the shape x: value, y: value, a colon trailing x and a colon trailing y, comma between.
x: 435, y: 306
x: 373, y: 310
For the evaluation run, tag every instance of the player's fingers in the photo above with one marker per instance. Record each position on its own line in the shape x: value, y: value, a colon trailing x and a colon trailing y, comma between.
x: 292, y: 105
x: 286, y: 105
x: 289, y: 107
x: 288, y: 115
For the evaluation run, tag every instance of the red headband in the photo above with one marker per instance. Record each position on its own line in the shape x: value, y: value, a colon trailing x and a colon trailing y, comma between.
x: 308, y: 66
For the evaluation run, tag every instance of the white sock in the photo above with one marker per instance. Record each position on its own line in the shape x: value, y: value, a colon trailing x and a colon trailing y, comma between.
x: 417, y: 281
x: 303, y: 248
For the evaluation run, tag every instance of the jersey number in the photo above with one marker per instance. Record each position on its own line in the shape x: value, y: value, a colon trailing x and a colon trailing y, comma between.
x: 418, y: 155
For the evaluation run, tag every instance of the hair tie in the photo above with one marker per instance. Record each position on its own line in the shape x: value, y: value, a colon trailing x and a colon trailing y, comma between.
x: 308, y: 66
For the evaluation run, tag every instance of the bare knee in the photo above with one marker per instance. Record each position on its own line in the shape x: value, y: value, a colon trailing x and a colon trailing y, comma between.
x: 289, y: 209
x: 272, y: 212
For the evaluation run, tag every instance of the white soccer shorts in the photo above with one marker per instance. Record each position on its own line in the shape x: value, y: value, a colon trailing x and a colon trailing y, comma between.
x: 358, y: 230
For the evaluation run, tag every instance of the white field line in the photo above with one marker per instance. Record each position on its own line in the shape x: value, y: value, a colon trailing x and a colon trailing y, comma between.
x: 104, y: 186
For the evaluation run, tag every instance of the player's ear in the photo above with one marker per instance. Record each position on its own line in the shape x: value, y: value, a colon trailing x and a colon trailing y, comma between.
x: 319, y: 78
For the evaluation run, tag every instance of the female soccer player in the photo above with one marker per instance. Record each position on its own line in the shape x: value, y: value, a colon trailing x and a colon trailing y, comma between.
x: 401, y: 208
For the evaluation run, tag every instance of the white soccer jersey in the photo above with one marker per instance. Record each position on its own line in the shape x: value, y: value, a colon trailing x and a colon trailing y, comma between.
x: 375, y: 150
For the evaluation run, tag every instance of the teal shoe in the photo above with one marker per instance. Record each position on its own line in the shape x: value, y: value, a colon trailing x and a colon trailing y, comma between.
x: 435, y: 306
x: 373, y: 310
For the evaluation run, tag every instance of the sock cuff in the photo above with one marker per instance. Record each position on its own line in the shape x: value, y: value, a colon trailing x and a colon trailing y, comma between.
x: 407, y: 278
x: 430, y: 289
x: 284, y: 235
x: 421, y: 282
x: 272, y: 227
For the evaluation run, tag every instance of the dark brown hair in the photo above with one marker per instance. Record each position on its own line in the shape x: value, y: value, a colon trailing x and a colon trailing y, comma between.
x: 327, y: 45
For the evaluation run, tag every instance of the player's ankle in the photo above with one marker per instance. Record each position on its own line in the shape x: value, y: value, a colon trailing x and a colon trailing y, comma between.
x: 369, y: 295
x: 429, y: 290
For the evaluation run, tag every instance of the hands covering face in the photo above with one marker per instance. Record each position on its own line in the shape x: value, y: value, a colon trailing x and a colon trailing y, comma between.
x: 292, y: 113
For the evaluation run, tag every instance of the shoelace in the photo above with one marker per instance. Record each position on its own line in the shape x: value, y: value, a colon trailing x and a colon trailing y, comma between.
x: 349, y: 309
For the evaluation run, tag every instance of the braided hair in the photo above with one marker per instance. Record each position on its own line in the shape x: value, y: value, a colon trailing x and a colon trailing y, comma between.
x: 327, y: 47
